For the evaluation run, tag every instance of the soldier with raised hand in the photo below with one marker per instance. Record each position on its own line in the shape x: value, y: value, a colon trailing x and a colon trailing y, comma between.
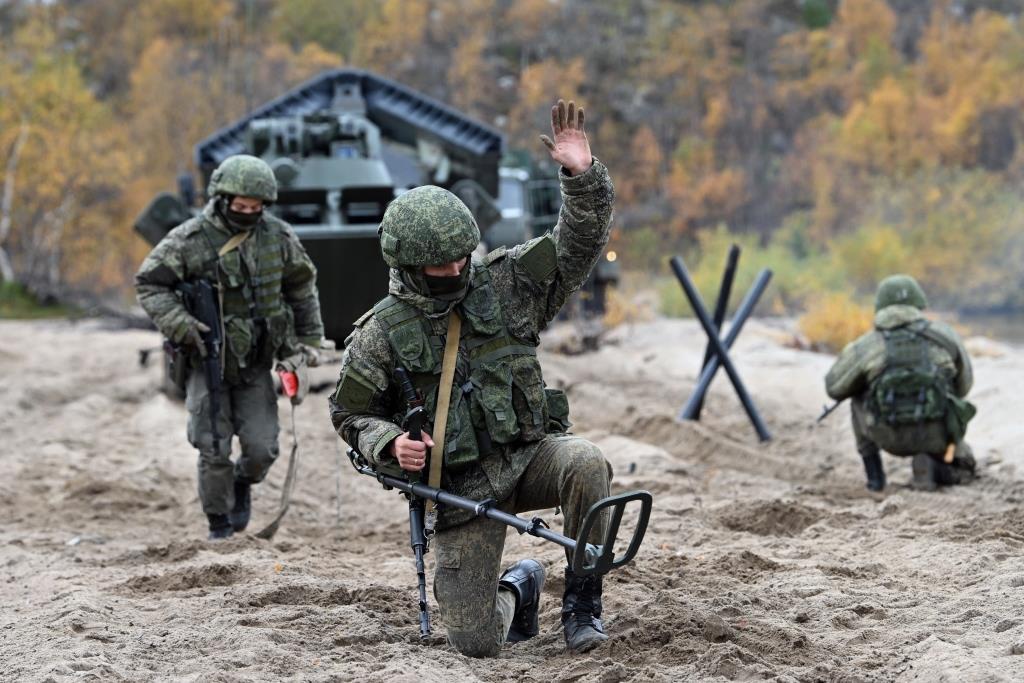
x: 269, y: 313
x: 907, y: 380
x: 505, y: 432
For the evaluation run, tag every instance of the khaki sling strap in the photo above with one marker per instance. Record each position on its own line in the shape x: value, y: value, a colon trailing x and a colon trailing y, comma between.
x: 235, y: 242
x: 444, y: 396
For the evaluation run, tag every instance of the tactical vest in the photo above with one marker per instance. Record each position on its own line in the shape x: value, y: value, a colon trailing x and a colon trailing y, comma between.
x: 256, y: 320
x: 498, y: 397
x: 911, y: 389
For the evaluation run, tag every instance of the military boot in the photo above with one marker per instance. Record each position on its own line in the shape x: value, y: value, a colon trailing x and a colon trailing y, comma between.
x: 964, y: 467
x: 526, y: 580
x: 239, y: 514
x: 873, y: 470
x: 581, y: 612
x: 220, y: 527
x: 930, y: 473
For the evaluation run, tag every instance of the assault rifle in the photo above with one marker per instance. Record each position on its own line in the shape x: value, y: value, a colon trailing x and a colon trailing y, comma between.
x: 827, y: 410
x: 586, y: 558
x: 413, y: 424
x: 202, y: 302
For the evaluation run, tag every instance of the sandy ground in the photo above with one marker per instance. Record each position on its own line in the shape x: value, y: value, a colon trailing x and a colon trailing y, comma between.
x: 762, y: 561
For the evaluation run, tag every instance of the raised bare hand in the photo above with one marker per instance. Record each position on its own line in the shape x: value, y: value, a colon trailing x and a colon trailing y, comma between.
x: 570, y: 146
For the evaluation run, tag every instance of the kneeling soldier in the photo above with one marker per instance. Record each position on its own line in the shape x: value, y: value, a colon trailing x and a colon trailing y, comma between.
x: 505, y: 437
x: 907, y: 380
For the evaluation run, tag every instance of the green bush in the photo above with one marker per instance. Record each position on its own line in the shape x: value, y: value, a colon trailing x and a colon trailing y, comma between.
x: 17, y: 303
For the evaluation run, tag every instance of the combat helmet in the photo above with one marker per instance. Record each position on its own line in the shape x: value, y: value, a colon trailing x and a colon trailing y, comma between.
x: 900, y: 290
x: 427, y: 226
x: 242, y: 175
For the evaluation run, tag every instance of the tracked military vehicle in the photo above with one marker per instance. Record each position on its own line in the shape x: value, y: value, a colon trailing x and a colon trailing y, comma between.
x: 342, y: 146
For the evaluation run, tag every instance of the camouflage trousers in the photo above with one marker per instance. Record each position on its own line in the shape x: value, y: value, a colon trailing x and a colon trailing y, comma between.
x: 566, y: 471
x: 248, y: 410
x: 908, y: 440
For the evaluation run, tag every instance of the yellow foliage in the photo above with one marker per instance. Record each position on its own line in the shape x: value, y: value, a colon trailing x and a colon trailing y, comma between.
x: 834, y: 320
x: 884, y: 132
x: 468, y: 70
x: 527, y: 18
x: 717, y: 115
x: 862, y: 21
x: 538, y: 84
x: 399, y: 24
x: 645, y: 162
x: 720, y: 194
x: 870, y: 254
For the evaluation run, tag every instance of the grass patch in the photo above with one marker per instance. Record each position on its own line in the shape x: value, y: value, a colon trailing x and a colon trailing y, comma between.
x: 18, y: 304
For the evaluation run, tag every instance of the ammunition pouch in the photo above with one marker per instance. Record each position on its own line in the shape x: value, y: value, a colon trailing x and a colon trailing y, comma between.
x: 558, y: 411
x: 959, y: 412
x: 500, y: 399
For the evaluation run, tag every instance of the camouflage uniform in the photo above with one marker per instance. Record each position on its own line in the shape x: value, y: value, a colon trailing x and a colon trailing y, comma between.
x: 864, y: 360
x: 269, y: 306
x: 505, y: 437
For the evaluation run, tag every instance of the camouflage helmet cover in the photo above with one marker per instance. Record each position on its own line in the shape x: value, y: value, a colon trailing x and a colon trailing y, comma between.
x: 427, y: 226
x: 242, y: 175
x: 900, y: 290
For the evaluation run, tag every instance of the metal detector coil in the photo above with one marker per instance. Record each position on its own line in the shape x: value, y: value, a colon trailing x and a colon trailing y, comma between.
x: 588, y: 558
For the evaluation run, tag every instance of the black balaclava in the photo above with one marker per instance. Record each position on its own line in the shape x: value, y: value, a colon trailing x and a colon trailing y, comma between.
x: 439, y: 287
x: 236, y: 220
x: 447, y: 286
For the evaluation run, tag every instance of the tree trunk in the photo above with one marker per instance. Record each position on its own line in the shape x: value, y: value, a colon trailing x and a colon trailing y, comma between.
x: 7, y: 201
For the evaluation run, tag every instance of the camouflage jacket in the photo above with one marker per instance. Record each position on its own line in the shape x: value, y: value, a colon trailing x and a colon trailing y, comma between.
x: 528, y: 283
x: 268, y: 287
x: 864, y: 358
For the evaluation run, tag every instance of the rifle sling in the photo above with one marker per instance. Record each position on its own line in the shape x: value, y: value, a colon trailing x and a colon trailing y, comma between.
x: 444, y: 395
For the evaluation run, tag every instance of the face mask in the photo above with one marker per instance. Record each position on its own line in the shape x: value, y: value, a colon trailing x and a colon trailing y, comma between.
x: 237, y: 220
x: 242, y: 221
x: 447, y: 286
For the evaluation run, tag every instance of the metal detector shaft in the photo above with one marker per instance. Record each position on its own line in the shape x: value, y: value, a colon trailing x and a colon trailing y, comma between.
x: 586, y: 557
x: 692, y: 408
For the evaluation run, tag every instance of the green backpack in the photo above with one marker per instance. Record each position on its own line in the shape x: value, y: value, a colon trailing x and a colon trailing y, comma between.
x: 911, y: 389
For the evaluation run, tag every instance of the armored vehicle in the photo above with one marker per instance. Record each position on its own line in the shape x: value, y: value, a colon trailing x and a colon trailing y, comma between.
x: 342, y: 146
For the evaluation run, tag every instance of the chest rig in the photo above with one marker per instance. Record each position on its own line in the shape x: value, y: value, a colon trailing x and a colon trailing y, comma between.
x: 256, y: 320
x: 498, y: 396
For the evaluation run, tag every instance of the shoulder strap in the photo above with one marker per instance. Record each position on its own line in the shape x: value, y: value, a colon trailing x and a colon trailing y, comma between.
x: 444, y: 395
x: 931, y: 334
x: 392, y: 311
x: 495, y: 255
x: 235, y: 242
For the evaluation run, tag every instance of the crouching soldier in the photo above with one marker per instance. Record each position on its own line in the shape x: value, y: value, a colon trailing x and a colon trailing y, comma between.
x: 504, y: 435
x: 906, y: 381
x: 265, y: 300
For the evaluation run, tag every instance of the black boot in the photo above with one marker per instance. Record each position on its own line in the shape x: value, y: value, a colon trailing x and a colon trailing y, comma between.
x: 239, y: 514
x: 220, y: 527
x: 930, y: 473
x: 873, y: 470
x: 964, y: 467
x: 526, y: 580
x: 581, y: 612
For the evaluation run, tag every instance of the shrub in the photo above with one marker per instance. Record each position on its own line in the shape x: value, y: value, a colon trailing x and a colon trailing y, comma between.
x: 834, y: 319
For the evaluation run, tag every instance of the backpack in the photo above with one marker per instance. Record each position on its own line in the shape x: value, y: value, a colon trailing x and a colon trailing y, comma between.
x: 910, y: 389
